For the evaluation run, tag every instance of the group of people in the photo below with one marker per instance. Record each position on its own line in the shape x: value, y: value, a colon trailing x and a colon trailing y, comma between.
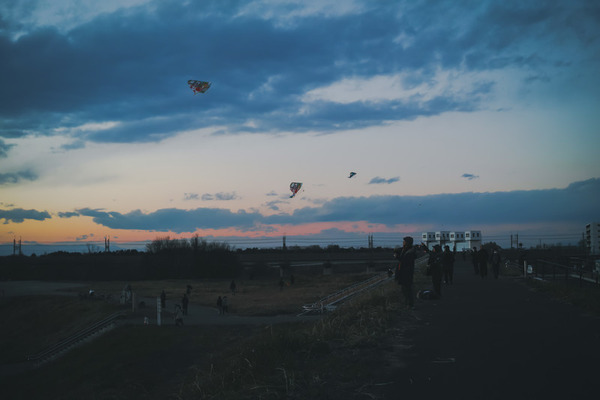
x: 440, y: 266
x: 481, y: 258
x: 181, y: 309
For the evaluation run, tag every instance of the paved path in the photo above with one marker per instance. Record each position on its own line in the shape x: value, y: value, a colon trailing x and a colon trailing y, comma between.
x: 494, y: 339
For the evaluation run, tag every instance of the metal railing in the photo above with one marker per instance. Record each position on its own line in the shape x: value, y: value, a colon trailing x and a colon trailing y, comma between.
x: 551, y: 271
x: 77, y: 338
x: 330, y: 302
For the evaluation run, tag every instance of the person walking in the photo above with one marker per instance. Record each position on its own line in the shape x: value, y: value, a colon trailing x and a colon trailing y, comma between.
x: 405, y: 271
x: 496, y: 260
x: 448, y: 265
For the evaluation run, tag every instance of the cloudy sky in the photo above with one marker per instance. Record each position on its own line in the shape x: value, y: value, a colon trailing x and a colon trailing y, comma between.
x: 455, y: 115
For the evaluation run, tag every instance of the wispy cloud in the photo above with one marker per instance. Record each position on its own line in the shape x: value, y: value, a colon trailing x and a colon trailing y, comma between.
x: 220, y: 196
x: 378, y: 180
x: 470, y: 177
x: 16, y: 177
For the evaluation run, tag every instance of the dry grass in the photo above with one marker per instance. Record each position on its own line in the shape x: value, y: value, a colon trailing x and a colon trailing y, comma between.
x: 253, y: 297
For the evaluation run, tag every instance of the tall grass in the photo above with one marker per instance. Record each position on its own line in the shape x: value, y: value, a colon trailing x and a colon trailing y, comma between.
x: 297, y: 360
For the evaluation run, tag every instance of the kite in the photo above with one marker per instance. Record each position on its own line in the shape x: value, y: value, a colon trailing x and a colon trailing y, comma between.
x: 199, y: 86
x: 295, y: 188
x: 352, y: 174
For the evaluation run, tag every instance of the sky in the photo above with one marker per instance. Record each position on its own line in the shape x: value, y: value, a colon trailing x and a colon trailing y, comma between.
x: 462, y: 115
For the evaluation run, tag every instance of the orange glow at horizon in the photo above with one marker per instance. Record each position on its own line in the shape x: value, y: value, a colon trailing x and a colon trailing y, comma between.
x: 57, y: 230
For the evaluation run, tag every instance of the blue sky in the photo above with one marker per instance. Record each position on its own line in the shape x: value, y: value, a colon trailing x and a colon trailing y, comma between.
x: 455, y: 115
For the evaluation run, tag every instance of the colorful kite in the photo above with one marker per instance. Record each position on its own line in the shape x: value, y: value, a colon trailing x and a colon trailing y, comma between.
x: 295, y: 188
x: 352, y: 174
x: 199, y: 86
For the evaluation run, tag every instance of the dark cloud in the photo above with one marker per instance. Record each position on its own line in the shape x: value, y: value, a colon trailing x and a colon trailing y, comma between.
x: 576, y: 203
x: 132, y: 66
x: 377, y: 180
x: 470, y: 176
x: 16, y: 177
x: 68, y: 214
x: 18, y: 215
x: 4, y: 148
x: 175, y: 220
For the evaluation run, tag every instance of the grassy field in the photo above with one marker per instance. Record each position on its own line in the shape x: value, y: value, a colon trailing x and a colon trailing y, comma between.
x: 338, y: 357
x: 220, y: 362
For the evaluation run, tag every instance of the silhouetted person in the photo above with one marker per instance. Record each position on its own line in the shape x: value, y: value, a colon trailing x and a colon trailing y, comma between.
x: 475, y: 260
x: 434, y: 264
x: 496, y: 260
x: 482, y: 257
x: 184, y: 302
x: 220, y: 305
x: 178, y: 315
x: 448, y: 264
x: 232, y: 287
x: 225, y: 305
x: 281, y: 284
x: 406, y: 269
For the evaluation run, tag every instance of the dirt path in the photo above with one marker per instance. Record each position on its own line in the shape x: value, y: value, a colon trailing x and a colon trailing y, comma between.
x: 494, y: 339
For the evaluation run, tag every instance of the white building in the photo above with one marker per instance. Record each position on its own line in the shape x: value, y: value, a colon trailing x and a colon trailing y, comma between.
x: 592, y: 237
x: 455, y: 239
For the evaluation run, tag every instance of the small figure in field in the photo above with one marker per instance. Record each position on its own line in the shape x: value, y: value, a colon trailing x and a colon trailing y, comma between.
x: 184, y: 302
x: 225, y: 305
x: 281, y: 283
x: 178, y: 315
x: 232, y: 287
x: 220, y: 305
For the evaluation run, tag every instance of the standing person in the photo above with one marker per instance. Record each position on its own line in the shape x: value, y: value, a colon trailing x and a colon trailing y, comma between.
x: 225, y: 305
x: 448, y: 264
x: 184, y: 302
x: 232, y: 287
x: 475, y: 260
x: 281, y: 284
x: 163, y: 299
x: 482, y: 257
x: 434, y: 264
x: 220, y: 305
x: 178, y: 315
x: 496, y: 260
x: 406, y: 269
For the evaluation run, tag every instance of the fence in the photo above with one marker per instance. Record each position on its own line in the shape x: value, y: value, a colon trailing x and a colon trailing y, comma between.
x: 551, y: 271
x: 75, y: 339
x: 330, y: 302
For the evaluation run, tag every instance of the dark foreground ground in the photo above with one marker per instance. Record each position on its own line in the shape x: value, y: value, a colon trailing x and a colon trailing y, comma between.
x: 493, y: 339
